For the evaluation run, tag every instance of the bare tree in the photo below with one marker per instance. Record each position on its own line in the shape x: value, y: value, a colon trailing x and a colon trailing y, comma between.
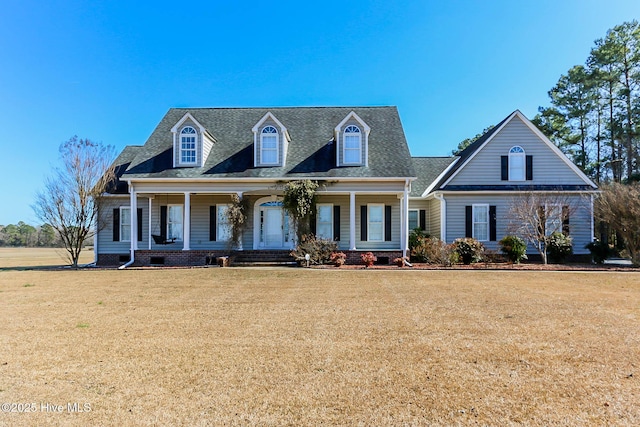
x: 69, y: 200
x: 619, y: 206
x: 534, y: 216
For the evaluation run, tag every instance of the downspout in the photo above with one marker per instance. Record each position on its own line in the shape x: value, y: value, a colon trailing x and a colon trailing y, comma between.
x: 405, y: 222
x: 443, y: 216
x: 133, y: 237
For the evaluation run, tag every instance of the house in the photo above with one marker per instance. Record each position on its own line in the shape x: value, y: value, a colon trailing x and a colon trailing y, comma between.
x: 169, y: 204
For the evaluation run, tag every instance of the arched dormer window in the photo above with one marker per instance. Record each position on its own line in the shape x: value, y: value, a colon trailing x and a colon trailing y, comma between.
x: 188, y: 137
x: 352, y: 145
x: 517, y: 165
x: 269, y: 145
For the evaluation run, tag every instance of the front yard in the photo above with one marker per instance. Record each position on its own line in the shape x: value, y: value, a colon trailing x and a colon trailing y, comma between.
x: 306, y: 347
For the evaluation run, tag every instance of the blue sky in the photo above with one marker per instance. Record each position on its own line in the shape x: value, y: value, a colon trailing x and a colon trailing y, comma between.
x: 108, y: 71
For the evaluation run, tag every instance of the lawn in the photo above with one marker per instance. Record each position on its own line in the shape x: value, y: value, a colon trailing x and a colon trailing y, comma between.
x: 226, y: 346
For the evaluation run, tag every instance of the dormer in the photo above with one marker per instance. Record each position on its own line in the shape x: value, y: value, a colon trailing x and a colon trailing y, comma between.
x: 192, y: 143
x: 270, y: 142
x: 352, y: 137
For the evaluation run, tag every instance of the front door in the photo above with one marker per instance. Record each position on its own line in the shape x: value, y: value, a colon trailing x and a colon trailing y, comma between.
x: 273, y: 227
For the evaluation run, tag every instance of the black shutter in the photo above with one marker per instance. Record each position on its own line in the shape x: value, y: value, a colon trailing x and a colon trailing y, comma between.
x: 468, y: 221
x: 116, y: 225
x: 504, y: 167
x: 565, y: 220
x: 542, y: 225
x: 492, y: 223
x: 387, y: 223
x: 336, y: 222
x: 213, y: 223
x: 313, y: 218
x: 139, y: 216
x: 423, y: 220
x: 529, y: 168
x: 363, y: 223
x: 163, y: 222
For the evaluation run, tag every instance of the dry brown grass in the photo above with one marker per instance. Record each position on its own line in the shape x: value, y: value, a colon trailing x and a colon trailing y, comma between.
x: 306, y: 347
x: 38, y: 257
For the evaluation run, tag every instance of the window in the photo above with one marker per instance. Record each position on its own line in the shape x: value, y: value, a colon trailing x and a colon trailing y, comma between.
x: 224, y: 228
x: 352, y: 145
x: 188, y: 145
x: 516, y: 164
x: 174, y: 222
x: 481, y: 222
x: 269, y: 145
x: 414, y: 221
x: 324, y: 221
x: 553, y: 219
x: 376, y: 223
x: 125, y: 224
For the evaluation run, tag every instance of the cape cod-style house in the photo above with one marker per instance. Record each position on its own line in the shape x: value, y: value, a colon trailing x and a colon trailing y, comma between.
x: 169, y: 204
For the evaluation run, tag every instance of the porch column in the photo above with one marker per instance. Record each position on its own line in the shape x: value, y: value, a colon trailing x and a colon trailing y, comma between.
x: 240, y: 240
x: 134, y: 218
x: 150, y: 205
x: 352, y: 221
x: 186, y: 238
x: 405, y: 225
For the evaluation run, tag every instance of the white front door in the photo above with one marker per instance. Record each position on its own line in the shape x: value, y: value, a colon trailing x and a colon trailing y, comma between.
x: 273, y: 227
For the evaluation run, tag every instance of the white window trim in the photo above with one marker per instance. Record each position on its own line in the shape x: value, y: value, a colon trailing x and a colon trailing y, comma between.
x: 181, y: 220
x: 277, y: 149
x: 121, y: 224
x: 547, y: 209
x: 182, y: 150
x: 344, y: 145
x: 369, y: 206
x: 330, y: 205
x: 523, y: 156
x: 418, y: 219
x: 473, y: 222
x: 218, y: 224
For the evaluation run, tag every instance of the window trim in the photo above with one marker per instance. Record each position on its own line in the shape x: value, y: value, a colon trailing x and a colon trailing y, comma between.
x: 522, y: 156
x: 122, y: 224
x: 382, y: 222
x: 169, y: 206
x: 330, y: 222
x: 276, y: 149
x: 183, y: 150
x: 344, y: 145
x: 473, y: 221
x: 417, y: 211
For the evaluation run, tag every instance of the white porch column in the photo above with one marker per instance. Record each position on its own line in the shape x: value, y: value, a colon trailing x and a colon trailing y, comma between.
x: 405, y: 225
x: 134, y: 218
x: 352, y: 221
x: 186, y: 238
x: 150, y: 205
x: 241, y: 236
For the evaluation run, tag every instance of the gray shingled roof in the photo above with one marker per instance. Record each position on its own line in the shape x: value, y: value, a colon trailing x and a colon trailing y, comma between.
x: 121, y: 163
x: 311, y: 151
x: 428, y: 169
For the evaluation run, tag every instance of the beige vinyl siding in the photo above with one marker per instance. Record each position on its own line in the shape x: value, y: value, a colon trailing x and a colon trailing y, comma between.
x: 579, y: 222
x: 106, y: 245
x: 200, y: 209
x: 394, y: 202
x: 548, y: 168
x: 435, y: 220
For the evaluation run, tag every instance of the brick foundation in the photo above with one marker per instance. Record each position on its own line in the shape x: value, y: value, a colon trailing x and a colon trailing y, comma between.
x: 353, y: 257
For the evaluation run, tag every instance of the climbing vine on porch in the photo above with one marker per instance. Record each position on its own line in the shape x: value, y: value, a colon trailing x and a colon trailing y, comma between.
x: 300, y: 202
x: 237, y: 218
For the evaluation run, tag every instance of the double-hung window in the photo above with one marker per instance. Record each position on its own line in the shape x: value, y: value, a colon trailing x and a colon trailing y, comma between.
x: 188, y: 145
x: 125, y: 224
x: 224, y: 227
x: 324, y: 221
x: 481, y: 222
x: 553, y: 219
x: 174, y: 222
x: 376, y: 223
x: 269, y: 145
x: 352, y: 145
x: 413, y: 219
x: 517, y: 164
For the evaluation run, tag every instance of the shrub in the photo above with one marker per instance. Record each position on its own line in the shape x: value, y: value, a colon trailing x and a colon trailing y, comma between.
x: 338, y: 258
x: 368, y: 258
x: 400, y: 261
x: 559, y: 246
x: 415, y: 237
x: 514, y: 248
x: 599, y: 251
x: 432, y: 250
x: 468, y: 249
x: 319, y: 250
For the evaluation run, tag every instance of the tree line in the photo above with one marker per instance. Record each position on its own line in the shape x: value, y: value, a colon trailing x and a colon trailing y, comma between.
x: 594, y: 115
x: 22, y: 234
